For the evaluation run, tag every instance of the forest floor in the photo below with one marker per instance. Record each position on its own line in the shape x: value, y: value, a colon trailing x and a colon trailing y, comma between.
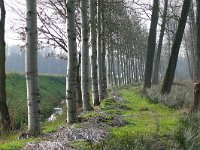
x: 125, y: 120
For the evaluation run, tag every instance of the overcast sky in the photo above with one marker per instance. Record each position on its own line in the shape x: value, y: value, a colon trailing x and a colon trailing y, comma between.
x: 13, y: 19
x: 16, y: 8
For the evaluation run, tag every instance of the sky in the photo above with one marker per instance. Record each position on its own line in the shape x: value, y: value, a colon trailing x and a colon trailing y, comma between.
x: 13, y: 20
x: 15, y: 13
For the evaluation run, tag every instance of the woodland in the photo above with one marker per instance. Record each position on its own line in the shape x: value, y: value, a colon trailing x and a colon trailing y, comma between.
x: 120, y: 74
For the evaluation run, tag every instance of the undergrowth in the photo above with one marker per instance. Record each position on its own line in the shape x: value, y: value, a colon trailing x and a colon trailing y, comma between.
x: 180, y: 96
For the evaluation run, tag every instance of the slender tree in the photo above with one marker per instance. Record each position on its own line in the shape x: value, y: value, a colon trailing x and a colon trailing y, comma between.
x: 93, y: 34
x: 103, y: 51
x: 169, y: 76
x: 151, y: 44
x: 158, y: 53
x: 72, y: 62
x: 33, y: 95
x: 196, y: 101
x: 5, y: 117
x: 99, y: 49
x: 85, y: 55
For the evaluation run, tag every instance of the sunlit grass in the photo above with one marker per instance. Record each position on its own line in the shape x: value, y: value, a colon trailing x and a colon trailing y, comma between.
x: 146, y: 123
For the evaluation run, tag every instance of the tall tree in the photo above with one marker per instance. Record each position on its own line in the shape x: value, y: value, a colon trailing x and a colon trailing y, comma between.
x: 93, y: 34
x: 196, y: 102
x: 169, y: 76
x: 31, y: 68
x: 85, y: 55
x: 103, y: 51
x: 99, y: 49
x: 151, y: 44
x: 5, y: 117
x: 158, y: 53
x: 72, y: 62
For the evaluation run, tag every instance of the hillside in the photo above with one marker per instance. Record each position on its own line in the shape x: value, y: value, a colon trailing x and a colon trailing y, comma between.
x: 16, y: 96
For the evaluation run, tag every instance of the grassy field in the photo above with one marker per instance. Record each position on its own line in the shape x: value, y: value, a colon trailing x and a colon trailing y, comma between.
x: 52, y: 90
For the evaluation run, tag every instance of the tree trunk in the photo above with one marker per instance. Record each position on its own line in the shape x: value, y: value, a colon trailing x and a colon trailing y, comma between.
x: 78, y: 82
x: 192, y: 24
x: 72, y: 63
x: 196, y: 102
x: 31, y: 67
x: 99, y: 50
x: 85, y: 56
x: 5, y: 117
x: 104, y: 52
x: 188, y: 58
x: 158, y: 54
x: 151, y: 44
x: 169, y: 76
x: 93, y: 34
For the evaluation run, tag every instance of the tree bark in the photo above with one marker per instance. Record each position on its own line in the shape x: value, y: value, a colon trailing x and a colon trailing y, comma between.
x: 93, y: 34
x: 151, y: 44
x: 169, y: 76
x: 104, y: 52
x: 158, y: 54
x: 78, y: 81
x: 85, y: 56
x: 196, y: 102
x: 99, y: 50
x: 31, y: 68
x: 72, y: 63
x: 5, y: 117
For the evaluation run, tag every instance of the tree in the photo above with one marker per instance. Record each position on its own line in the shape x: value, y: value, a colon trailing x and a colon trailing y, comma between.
x: 93, y: 35
x: 99, y: 50
x: 169, y: 76
x: 85, y: 56
x: 103, y: 51
x: 158, y: 54
x: 151, y: 45
x: 33, y: 95
x: 5, y: 117
x: 196, y: 102
x: 72, y: 62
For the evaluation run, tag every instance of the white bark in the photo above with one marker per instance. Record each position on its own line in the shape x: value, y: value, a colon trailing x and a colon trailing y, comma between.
x: 33, y: 95
x: 99, y: 50
x: 72, y: 62
x: 93, y: 34
x: 85, y: 56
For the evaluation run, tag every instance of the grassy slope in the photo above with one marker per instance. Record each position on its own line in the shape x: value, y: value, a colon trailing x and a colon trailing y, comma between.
x: 52, y: 89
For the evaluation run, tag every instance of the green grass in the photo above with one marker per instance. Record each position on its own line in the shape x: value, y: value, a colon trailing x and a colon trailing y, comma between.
x: 52, y: 90
x: 15, y: 144
x: 146, y: 121
x: 148, y: 124
x: 11, y: 141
